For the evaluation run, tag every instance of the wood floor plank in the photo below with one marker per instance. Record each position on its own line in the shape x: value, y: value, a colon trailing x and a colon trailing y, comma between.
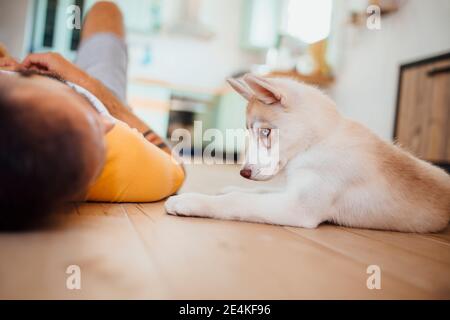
x: 204, y: 258
x: 211, y: 179
x: 443, y: 237
x: 426, y: 274
x: 410, y: 242
x: 113, y: 262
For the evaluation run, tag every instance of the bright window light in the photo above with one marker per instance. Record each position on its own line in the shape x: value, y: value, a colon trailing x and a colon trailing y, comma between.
x: 308, y: 20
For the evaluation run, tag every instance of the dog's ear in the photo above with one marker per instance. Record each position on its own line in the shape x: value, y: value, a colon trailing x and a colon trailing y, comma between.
x: 241, y: 88
x: 264, y: 91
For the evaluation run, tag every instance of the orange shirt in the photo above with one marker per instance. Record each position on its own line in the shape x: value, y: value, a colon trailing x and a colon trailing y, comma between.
x: 135, y: 170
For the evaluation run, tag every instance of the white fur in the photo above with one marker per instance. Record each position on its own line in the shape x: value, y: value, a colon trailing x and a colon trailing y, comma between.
x: 336, y: 170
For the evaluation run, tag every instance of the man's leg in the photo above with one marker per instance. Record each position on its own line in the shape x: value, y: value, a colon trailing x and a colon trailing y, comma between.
x: 103, y: 52
x: 104, y: 17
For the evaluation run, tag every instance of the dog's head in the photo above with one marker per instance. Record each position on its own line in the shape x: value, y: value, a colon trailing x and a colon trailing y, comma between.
x: 284, y: 118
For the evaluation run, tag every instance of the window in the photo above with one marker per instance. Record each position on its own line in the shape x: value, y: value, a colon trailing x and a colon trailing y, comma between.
x: 265, y: 20
x: 263, y: 24
x: 76, y: 33
x: 50, y: 20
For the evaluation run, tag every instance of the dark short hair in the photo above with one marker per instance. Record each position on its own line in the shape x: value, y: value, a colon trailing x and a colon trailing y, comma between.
x: 40, y: 165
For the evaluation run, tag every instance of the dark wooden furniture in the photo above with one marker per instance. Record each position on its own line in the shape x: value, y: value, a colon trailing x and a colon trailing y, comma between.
x: 422, y: 122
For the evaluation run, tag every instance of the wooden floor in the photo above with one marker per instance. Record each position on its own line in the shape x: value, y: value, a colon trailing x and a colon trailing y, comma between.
x: 137, y: 251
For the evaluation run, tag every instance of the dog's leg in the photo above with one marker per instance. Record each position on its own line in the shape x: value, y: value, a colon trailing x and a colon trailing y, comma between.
x: 272, y: 208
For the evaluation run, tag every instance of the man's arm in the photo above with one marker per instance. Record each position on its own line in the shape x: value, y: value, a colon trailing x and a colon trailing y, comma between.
x: 6, y: 61
x: 121, y: 112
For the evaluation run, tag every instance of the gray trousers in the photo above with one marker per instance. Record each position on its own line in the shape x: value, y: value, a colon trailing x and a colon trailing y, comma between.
x: 104, y: 56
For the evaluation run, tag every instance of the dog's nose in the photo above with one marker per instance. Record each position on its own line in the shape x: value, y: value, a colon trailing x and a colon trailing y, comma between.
x: 246, y: 173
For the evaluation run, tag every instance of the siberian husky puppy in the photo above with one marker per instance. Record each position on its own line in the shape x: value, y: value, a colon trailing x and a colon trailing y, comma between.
x: 336, y: 169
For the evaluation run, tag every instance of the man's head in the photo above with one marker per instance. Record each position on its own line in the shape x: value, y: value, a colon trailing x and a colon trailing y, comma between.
x: 51, y: 147
x: 284, y: 118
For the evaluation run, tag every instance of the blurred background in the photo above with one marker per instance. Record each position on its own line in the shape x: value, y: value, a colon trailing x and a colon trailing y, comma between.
x: 181, y: 52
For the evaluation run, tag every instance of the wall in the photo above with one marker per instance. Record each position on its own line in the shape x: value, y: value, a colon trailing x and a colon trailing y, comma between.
x: 368, y: 63
x: 15, y: 17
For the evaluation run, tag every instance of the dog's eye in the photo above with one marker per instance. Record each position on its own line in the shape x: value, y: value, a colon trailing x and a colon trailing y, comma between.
x: 265, y: 132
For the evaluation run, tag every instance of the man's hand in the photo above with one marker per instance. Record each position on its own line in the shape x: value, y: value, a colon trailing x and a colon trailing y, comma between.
x: 8, y: 63
x: 52, y: 62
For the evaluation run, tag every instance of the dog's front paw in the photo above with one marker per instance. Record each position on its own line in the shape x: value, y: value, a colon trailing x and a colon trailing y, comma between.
x: 174, y: 205
x: 187, y: 204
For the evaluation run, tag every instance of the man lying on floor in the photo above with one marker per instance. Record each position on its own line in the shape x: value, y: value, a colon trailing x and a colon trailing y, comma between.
x: 66, y: 133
